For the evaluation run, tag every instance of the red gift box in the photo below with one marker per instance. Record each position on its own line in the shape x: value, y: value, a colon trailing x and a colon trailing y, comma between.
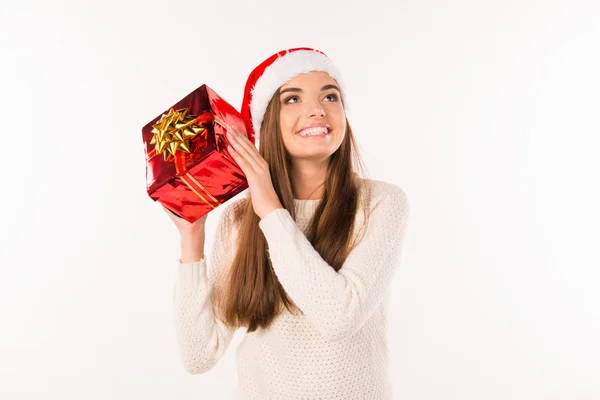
x: 188, y: 167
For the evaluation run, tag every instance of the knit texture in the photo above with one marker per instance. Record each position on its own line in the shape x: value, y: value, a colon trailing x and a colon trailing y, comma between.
x: 338, y: 348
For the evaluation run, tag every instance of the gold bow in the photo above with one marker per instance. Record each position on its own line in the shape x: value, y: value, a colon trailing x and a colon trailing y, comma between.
x: 174, y: 131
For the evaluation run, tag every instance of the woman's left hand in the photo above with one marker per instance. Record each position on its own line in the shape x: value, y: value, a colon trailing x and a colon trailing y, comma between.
x: 255, y: 167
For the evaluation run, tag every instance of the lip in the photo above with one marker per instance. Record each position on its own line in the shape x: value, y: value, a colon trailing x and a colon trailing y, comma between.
x: 317, y: 125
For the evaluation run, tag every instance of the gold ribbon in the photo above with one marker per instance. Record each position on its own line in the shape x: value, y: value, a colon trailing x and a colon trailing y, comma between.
x: 174, y: 131
x: 172, y: 136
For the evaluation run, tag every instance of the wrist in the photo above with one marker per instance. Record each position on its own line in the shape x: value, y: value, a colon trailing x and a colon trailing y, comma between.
x: 192, y: 246
x: 270, y: 210
x: 192, y: 232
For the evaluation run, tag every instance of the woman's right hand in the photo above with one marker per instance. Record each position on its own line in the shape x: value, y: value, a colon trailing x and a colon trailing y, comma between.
x: 185, y: 227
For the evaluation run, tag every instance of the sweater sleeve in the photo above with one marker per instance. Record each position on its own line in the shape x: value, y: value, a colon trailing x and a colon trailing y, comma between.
x: 339, y: 303
x: 201, y: 335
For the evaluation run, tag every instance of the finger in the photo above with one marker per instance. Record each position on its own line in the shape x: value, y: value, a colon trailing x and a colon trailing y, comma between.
x: 249, y: 156
x: 248, y: 145
x: 241, y: 161
x: 239, y: 133
x: 241, y: 139
x: 169, y: 212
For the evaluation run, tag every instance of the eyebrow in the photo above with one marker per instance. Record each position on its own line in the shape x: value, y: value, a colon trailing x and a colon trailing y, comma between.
x: 326, y: 87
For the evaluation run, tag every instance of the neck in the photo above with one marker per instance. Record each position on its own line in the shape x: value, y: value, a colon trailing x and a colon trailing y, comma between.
x: 308, y: 179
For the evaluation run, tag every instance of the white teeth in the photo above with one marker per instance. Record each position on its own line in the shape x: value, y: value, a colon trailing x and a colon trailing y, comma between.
x: 313, y: 131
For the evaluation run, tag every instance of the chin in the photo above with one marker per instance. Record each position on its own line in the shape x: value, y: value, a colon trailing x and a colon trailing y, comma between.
x: 315, y: 156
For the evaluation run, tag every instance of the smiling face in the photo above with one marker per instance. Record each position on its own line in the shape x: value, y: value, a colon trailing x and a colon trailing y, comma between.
x: 312, y: 117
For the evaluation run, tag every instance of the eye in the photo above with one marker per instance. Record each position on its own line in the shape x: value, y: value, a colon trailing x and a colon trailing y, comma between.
x: 287, y: 101
x: 332, y: 95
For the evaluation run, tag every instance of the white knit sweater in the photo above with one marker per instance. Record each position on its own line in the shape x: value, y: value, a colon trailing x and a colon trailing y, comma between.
x: 338, y: 348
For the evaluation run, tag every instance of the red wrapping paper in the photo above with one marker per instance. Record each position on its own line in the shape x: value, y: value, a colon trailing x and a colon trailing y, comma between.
x: 195, y: 183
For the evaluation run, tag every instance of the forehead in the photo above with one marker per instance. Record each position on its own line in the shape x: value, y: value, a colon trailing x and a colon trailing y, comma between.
x: 314, y: 78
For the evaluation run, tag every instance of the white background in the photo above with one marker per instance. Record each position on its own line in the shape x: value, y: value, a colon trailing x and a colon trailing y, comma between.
x: 485, y: 112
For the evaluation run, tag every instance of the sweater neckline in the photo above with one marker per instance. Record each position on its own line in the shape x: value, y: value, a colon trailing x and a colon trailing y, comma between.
x: 302, y: 201
x: 305, y: 208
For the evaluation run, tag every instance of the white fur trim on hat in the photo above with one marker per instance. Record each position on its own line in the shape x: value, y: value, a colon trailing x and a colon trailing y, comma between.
x: 282, y: 70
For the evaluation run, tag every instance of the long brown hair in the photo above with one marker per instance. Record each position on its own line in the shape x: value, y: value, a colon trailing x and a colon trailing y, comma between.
x: 252, y: 295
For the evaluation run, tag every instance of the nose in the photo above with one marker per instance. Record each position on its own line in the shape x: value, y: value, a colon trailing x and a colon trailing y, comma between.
x: 315, y: 109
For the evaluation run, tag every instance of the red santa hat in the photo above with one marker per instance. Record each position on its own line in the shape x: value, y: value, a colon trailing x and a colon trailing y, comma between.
x: 275, y: 71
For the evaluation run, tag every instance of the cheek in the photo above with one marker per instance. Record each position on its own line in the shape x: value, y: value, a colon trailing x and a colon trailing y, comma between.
x: 336, y: 111
x: 340, y: 121
x: 286, y: 122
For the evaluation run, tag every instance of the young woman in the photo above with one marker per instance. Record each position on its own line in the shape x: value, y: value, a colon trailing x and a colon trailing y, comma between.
x: 304, y: 262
